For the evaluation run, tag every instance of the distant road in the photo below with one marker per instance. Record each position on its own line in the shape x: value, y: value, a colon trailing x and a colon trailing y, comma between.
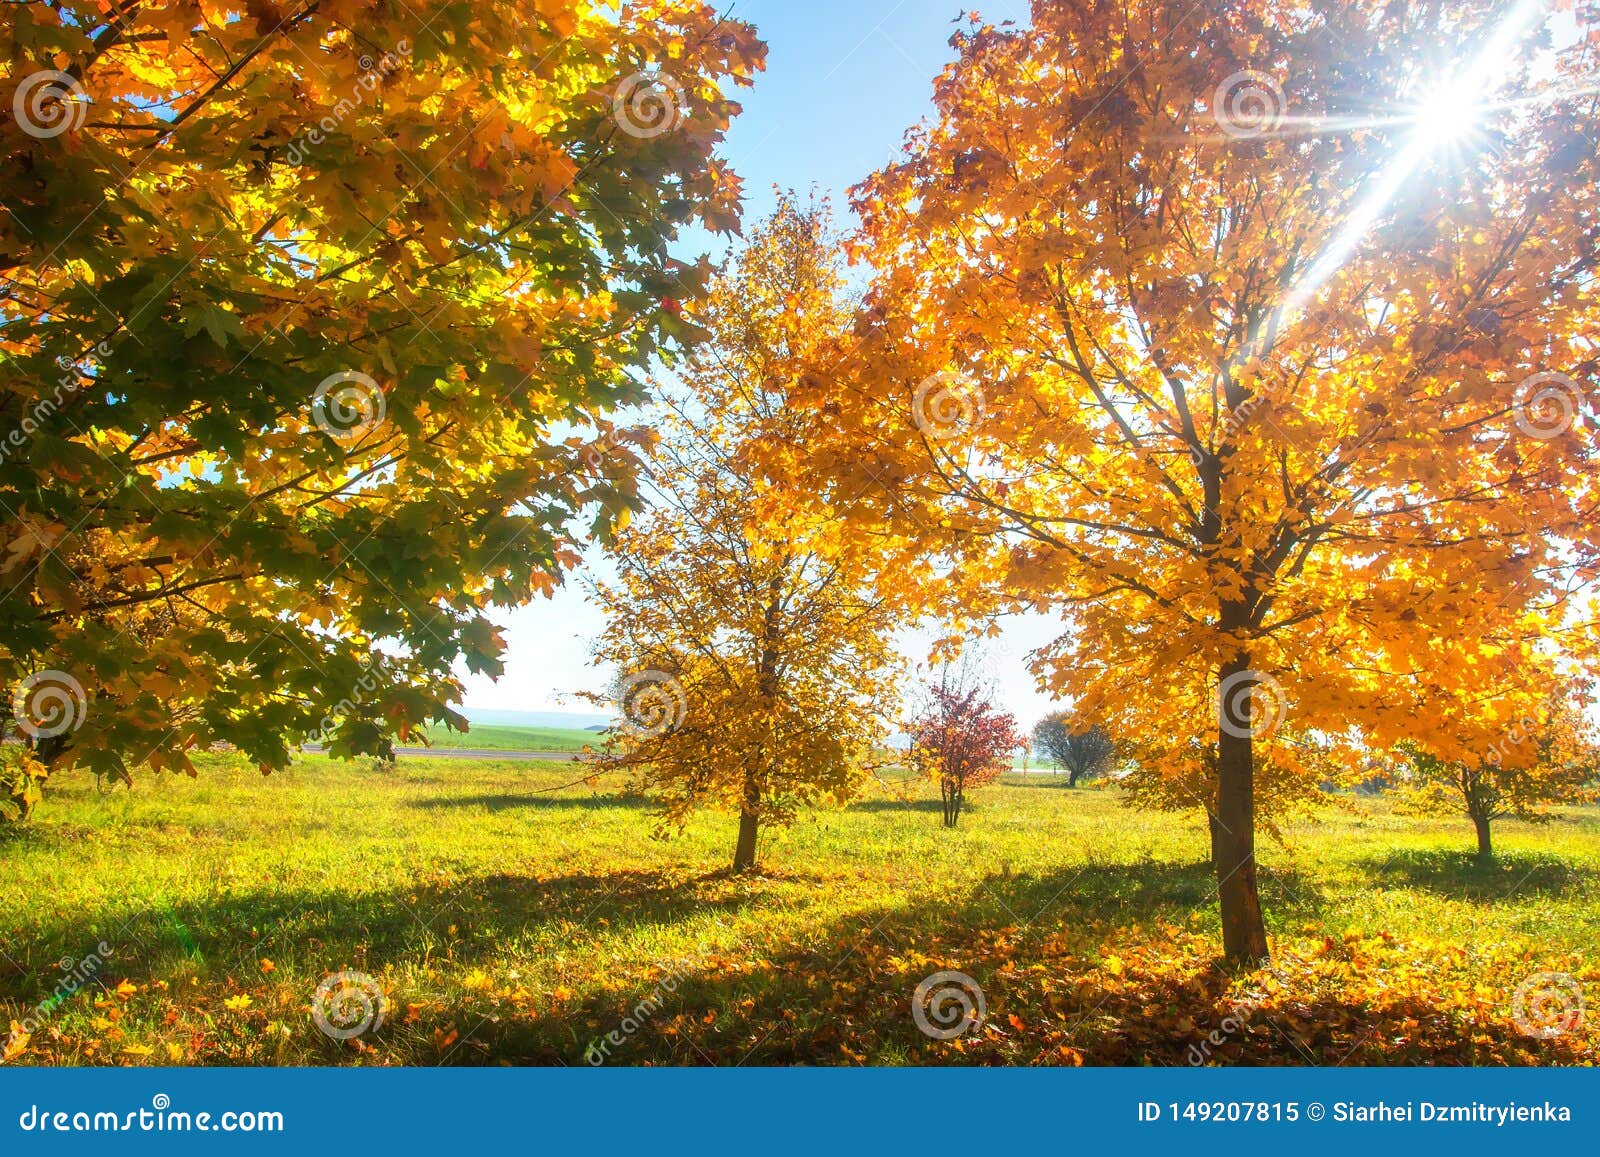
x: 472, y: 753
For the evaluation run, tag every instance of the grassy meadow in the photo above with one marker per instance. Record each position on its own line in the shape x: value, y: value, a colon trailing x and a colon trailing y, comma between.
x: 512, y: 919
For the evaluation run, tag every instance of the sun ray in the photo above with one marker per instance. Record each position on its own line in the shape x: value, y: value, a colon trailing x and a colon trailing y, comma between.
x: 1449, y: 113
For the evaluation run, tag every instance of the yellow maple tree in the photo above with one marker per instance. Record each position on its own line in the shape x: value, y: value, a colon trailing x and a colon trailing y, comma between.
x: 748, y: 625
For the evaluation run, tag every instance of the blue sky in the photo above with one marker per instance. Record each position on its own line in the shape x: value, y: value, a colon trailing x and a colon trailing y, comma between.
x: 844, y: 80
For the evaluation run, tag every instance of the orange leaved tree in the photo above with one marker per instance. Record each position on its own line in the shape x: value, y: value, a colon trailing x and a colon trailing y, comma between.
x: 1544, y: 758
x: 753, y: 643
x: 1229, y: 335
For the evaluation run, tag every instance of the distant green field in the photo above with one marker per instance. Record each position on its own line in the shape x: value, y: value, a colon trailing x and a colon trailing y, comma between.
x: 486, y: 737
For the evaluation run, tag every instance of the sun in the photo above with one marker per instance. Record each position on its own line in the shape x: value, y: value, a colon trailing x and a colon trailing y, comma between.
x: 1448, y: 115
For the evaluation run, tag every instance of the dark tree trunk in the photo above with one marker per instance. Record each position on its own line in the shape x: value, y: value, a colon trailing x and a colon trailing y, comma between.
x: 1244, y: 934
x: 950, y: 795
x: 1485, y: 840
x: 744, y: 852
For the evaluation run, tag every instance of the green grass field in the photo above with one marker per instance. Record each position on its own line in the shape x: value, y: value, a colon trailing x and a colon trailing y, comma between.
x: 493, y: 737
x: 509, y: 923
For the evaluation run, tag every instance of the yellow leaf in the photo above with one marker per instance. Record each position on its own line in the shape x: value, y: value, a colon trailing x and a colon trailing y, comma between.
x: 15, y: 1043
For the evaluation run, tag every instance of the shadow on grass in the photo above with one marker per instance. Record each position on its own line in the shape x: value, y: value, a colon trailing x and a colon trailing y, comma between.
x: 899, y: 805
x: 467, y: 921
x: 1045, y: 948
x: 1039, y: 779
x: 1136, y: 893
x: 1053, y: 994
x: 1462, y: 876
x: 505, y: 800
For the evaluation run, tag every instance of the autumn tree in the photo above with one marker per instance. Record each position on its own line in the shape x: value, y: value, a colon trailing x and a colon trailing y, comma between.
x: 313, y: 318
x: 1256, y: 342
x: 1546, y: 758
x: 751, y: 636
x: 962, y: 741
x: 1083, y: 750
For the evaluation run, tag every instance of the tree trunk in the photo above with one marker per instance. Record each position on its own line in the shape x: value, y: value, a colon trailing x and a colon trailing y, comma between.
x: 1244, y: 935
x: 1485, y: 842
x: 744, y: 852
x: 950, y: 796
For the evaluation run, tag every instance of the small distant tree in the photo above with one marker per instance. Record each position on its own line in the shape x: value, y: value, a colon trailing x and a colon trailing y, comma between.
x: 964, y: 742
x: 754, y: 641
x: 1082, y: 751
x: 1541, y: 762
